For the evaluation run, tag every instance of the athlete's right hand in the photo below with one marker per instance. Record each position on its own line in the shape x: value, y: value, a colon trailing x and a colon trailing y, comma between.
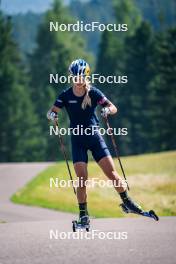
x: 51, y: 115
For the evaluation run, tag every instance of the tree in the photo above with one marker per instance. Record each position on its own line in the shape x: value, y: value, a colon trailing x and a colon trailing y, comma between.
x: 163, y: 93
x: 19, y: 135
x: 134, y: 98
x: 126, y: 12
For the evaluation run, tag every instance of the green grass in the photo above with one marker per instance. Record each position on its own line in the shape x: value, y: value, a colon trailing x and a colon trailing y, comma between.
x: 152, y: 178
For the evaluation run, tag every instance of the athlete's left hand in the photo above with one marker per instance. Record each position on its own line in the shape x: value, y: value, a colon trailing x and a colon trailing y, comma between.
x: 105, y: 112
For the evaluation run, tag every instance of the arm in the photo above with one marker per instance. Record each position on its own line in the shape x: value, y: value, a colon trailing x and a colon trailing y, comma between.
x: 53, y: 111
x: 108, y: 107
x: 112, y: 108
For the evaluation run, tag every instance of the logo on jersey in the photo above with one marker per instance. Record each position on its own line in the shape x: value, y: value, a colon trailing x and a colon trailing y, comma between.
x: 72, y: 101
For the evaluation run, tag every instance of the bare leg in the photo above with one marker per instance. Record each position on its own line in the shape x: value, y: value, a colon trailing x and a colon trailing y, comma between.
x: 81, y: 172
x: 108, y: 167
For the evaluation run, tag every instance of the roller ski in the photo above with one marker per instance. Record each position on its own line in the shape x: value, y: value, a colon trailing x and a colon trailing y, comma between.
x: 130, y: 207
x: 82, y: 223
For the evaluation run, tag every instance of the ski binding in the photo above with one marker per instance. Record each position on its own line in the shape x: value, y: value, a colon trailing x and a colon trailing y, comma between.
x: 76, y: 225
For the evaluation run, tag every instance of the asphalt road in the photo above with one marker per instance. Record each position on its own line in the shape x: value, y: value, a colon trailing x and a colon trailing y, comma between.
x: 39, y: 236
x: 13, y: 177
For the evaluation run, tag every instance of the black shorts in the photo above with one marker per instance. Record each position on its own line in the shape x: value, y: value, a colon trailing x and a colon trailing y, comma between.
x: 82, y: 143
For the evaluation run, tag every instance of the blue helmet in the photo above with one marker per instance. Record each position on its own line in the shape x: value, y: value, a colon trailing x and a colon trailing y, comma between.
x: 79, y: 67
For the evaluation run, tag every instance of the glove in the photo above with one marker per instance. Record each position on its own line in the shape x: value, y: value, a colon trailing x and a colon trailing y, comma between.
x: 52, y: 115
x: 105, y: 112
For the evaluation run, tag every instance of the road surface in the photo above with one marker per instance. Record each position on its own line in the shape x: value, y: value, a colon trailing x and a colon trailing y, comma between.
x: 34, y: 235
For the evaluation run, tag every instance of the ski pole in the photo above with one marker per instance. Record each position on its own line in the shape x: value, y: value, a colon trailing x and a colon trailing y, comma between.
x: 116, y: 150
x: 65, y: 156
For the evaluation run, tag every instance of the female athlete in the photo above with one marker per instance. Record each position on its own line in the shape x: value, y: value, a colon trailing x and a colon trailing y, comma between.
x: 80, y: 102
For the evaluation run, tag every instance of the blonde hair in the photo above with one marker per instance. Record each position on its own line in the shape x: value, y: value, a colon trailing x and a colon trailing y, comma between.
x: 87, y: 100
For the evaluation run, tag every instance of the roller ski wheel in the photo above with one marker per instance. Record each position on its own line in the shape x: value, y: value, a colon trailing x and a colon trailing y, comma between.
x: 150, y: 214
x: 74, y: 224
x: 83, y: 223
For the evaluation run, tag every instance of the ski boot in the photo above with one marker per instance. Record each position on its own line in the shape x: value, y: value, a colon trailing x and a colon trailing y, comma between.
x: 130, y: 207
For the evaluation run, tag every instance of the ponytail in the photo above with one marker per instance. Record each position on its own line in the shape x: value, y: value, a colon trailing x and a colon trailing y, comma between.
x: 87, y: 100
